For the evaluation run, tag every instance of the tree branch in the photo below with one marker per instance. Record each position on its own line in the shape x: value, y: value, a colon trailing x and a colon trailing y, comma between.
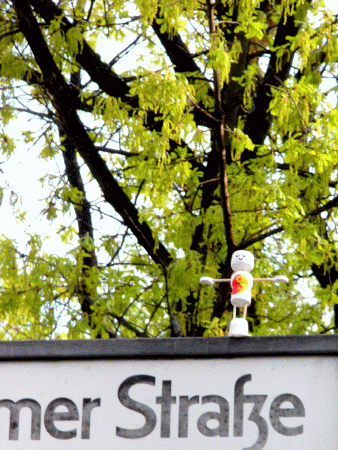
x: 260, y: 113
x: 260, y: 237
x: 77, y: 134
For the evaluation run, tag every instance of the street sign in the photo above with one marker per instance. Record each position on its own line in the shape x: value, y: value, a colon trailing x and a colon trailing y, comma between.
x: 271, y: 393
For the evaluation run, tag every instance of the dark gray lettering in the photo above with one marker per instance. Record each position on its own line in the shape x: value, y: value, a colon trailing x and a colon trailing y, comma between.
x: 222, y: 417
x: 185, y: 403
x: 166, y: 401
x: 146, y: 411
x: 276, y: 412
x: 87, y: 407
x: 14, y: 409
x: 258, y: 401
x: 51, y: 416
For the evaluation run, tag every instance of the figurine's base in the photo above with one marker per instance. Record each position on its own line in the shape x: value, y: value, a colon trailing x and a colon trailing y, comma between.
x: 239, y: 328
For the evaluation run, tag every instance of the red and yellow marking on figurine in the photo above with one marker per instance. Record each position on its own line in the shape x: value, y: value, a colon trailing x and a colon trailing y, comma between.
x: 239, y: 284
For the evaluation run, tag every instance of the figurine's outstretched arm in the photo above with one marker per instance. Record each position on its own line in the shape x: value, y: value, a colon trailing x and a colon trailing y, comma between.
x: 277, y: 279
x: 210, y: 281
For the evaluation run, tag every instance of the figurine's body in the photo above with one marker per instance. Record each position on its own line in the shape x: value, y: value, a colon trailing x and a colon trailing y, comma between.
x: 242, y: 262
x: 241, y: 281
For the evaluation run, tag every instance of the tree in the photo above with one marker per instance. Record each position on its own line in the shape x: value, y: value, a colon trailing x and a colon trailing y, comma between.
x: 207, y: 127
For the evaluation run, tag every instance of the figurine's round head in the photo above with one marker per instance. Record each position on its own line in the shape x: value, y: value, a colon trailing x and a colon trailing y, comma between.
x: 242, y: 260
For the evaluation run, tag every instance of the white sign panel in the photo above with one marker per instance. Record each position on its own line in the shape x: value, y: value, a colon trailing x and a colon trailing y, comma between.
x: 251, y: 403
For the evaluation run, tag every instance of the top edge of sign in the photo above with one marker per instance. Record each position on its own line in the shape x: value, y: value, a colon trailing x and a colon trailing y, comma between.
x: 170, y: 348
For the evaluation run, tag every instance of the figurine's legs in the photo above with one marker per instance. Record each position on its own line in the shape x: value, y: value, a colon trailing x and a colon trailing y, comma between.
x: 234, y: 312
x: 239, y: 327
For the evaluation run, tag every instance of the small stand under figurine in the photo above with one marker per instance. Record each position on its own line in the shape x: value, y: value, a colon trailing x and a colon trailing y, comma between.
x: 242, y: 262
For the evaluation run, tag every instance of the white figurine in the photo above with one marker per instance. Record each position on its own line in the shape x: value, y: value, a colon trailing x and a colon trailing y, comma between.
x: 242, y: 262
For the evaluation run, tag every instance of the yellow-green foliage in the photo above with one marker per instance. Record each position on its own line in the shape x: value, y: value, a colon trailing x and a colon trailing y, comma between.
x: 160, y: 138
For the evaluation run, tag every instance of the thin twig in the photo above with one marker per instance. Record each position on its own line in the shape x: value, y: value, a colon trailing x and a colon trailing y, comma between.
x: 287, y: 90
x: 203, y: 110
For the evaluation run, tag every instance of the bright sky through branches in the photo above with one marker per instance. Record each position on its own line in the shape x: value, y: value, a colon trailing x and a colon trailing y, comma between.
x: 150, y: 147
x: 22, y: 173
